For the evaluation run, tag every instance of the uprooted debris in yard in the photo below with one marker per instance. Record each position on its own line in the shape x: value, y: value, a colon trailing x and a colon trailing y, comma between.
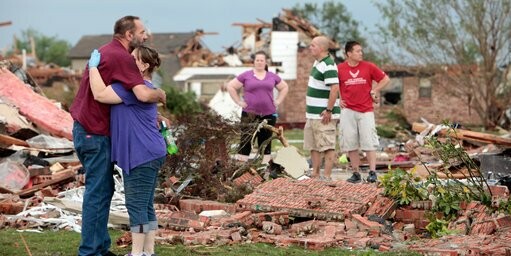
x: 211, y: 199
x: 204, y: 143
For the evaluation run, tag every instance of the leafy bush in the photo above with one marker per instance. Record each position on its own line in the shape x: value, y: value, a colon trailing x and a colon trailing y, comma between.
x: 402, y: 186
x: 385, y: 131
x: 181, y: 103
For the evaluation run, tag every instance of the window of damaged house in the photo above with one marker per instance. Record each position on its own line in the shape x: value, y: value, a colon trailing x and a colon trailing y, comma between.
x: 424, y: 88
x: 391, y: 94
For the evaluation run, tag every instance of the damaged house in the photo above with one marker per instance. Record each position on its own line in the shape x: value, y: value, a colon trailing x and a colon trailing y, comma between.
x: 286, y: 40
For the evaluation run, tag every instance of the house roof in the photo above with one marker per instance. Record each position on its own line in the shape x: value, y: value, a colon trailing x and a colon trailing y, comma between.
x: 164, y: 43
x: 167, y: 45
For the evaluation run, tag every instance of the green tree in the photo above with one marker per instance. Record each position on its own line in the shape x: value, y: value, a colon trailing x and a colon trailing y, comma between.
x: 181, y: 103
x: 465, y: 42
x: 48, y: 49
x: 333, y: 20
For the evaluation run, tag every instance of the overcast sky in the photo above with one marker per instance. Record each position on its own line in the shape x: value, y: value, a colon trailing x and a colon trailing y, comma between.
x: 71, y: 19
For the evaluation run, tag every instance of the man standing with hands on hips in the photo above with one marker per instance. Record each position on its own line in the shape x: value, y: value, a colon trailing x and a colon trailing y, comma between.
x: 91, y: 130
x: 358, y: 127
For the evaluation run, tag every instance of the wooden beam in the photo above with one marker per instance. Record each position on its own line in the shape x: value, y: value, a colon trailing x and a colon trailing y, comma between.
x: 466, y: 135
x: 8, y: 140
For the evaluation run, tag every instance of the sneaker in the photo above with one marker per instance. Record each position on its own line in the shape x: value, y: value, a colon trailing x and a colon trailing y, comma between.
x: 372, y: 177
x: 324, y: 178
x: 355, y: 178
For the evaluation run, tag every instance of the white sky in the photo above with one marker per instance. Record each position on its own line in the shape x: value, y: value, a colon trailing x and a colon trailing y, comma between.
x: 71, y: 19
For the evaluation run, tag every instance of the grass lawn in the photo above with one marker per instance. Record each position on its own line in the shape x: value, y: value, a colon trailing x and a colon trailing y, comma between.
x: 62, y: 243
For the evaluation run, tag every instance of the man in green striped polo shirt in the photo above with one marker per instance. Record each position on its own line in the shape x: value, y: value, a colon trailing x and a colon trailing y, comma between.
x: 322, y: 108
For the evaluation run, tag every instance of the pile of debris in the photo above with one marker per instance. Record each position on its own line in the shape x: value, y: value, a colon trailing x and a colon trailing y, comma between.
x: 38, y: 156
x: 255, y: 37
x: 209, y: 199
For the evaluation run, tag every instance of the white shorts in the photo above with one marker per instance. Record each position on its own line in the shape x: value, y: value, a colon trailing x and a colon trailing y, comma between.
x: 357, y: 131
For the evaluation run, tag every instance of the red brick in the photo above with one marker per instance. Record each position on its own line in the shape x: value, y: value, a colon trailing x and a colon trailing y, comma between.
x: 504, y: 222
x: 183, y: 221
x: 485, y: 228
x: 382, y: 206
x: 365, y: 224
x: 350, y: 225
x: 198, y: 206
x: 304, y: 227
x: 272, y: 228
x: 499, y: 191
x: 338, y: 198
x: 330, y: 231
x: 281, y: 218
x: 248, y: 178
x: 362, y: 243
x: 11, y: 208
x: 49, y: 192
x: 383, y: 248
x: 317, y: 244
x: 236, y: 236
x: 41, y: 179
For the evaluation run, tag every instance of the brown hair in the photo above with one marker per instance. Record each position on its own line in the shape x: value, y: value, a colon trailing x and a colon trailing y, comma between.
x: 261, y: 52
x: 124, y: 24
x: 150, y: 56
x: 349, y: 46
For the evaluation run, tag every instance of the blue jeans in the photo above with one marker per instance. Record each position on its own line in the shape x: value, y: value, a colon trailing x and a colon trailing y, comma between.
x: 139, y: 188
x: 94, y: 154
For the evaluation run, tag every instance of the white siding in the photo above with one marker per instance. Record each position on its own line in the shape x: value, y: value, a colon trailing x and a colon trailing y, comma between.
x: 284, y: 48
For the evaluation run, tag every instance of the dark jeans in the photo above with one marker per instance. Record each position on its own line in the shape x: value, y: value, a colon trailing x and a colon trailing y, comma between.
x: 94, y: 154
x: 263, y: 134
x: 139, y: 188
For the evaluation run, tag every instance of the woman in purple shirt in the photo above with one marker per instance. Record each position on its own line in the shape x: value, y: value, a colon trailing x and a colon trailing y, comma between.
x: 138, y: 147
x: 258, y: 102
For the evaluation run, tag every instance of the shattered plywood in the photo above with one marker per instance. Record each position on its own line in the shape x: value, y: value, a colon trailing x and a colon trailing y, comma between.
x: 11, y: 119
x: 293, y: 162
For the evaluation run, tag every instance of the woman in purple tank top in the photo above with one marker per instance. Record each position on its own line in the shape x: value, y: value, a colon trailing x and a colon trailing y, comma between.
x: 258, y: 103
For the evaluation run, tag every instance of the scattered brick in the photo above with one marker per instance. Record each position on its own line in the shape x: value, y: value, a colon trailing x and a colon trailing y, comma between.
x: 365, y: 224
x: 248, y: 178
x: 197, y: 206
x: 272, y: 228
x: 382, y: 206
x: 292, y: 196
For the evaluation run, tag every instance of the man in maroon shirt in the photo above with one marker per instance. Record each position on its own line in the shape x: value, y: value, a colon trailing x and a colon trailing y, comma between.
x: 91, y: 130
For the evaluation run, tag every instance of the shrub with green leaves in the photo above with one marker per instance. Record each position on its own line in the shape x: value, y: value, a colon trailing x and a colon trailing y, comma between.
x: 402, y: 186
x: 181, y: 103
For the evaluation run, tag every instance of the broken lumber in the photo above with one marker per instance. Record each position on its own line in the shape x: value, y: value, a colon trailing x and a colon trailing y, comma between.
x: 62, y: 177
x: 466, y: 135
x: 8, y: 140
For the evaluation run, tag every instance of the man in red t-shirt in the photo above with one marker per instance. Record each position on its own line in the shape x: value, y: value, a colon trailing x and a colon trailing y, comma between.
x: 91, y: 130
x: 357, y: 125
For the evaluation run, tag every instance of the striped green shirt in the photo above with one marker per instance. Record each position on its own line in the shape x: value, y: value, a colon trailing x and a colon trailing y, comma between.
x: 323, y: 75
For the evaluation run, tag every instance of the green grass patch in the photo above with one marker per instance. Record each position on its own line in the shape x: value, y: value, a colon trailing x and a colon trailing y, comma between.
x: 60, y: 243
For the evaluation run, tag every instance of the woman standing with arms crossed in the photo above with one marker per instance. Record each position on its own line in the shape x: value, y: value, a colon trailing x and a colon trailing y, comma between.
x: 258, y: 102
x: 138, y: 147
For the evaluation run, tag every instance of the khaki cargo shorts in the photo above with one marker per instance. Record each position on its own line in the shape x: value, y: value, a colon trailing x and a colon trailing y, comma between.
x: 318, y: 136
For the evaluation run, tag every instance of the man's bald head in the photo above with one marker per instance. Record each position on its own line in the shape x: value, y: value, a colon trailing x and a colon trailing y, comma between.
x: 323, y: 42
